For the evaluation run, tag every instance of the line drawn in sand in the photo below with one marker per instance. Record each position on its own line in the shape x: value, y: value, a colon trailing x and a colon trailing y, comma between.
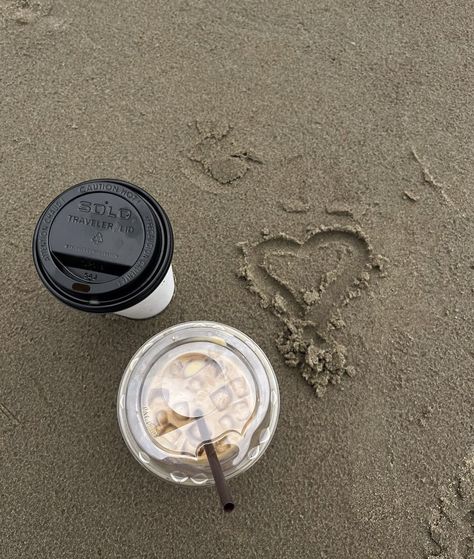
x: 430, y: 180
x: 8, y: 416
x: 306, y: 284
x: 219, y: 158
x: 452, y: 521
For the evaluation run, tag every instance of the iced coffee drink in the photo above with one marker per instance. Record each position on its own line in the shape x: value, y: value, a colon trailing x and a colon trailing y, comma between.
x: 193, y: 384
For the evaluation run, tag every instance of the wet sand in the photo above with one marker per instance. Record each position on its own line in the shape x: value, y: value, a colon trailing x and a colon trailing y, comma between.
x: 316, y: 161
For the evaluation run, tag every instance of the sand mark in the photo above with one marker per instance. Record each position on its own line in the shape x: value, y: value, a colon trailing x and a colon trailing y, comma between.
x: 25, y: 12
x: 340, y: 210
x: 430, y: 180
x: 296, y: 205
x: 452, y: 521
x: 7, y: 417
x: 219, y: 158
x: 306, y: 284
x: 295, y: 171
x: 31, y: 12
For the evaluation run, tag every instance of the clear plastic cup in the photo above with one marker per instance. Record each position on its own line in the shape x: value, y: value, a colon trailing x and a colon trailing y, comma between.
x: 192, y: 384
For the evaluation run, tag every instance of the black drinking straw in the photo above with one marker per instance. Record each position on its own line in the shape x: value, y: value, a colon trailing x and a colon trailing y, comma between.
x: 221, y: 485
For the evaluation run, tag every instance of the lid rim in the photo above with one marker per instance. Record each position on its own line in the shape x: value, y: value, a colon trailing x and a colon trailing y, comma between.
x: 151, y: 277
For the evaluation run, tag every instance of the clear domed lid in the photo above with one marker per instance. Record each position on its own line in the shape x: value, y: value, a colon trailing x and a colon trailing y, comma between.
x: 196, y: 383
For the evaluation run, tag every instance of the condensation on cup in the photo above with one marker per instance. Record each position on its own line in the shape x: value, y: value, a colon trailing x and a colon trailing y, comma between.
x: 105, y: 246
x: 194, y: 384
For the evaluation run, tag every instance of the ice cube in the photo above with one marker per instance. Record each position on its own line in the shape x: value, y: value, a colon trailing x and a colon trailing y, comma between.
x: 240, y: 387
x: 241, y: 411
x: 221, y: 398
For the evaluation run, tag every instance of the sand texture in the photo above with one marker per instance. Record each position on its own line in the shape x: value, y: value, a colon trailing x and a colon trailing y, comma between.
x: 316, y: 159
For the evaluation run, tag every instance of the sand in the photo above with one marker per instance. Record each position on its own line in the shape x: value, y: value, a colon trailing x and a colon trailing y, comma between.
x: 316, y: 161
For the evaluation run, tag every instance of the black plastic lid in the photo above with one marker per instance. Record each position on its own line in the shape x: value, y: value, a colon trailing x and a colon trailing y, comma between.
x: 103, y: 245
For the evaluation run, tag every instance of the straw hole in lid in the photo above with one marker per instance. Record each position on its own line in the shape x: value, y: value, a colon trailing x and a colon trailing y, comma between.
x: 81, y: 287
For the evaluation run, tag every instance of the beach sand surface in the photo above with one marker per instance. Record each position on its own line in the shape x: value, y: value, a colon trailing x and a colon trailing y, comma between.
x: 316, y: 161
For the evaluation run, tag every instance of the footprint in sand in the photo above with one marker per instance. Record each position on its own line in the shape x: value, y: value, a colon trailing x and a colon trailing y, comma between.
x: 452, y: 521
x: 219, y: 158
x: 306, y: 283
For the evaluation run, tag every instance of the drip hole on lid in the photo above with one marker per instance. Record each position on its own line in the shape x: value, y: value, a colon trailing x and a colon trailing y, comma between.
x: 82, y: 287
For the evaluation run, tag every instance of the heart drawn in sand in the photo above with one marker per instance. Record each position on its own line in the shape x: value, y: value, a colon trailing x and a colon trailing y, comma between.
x: 306, y: 284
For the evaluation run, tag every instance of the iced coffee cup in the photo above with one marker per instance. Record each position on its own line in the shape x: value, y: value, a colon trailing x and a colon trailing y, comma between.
x: 194, y: 390
x: 105, y: 246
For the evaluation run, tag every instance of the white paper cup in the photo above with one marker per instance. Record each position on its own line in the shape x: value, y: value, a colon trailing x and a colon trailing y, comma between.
x: 156, y: 302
